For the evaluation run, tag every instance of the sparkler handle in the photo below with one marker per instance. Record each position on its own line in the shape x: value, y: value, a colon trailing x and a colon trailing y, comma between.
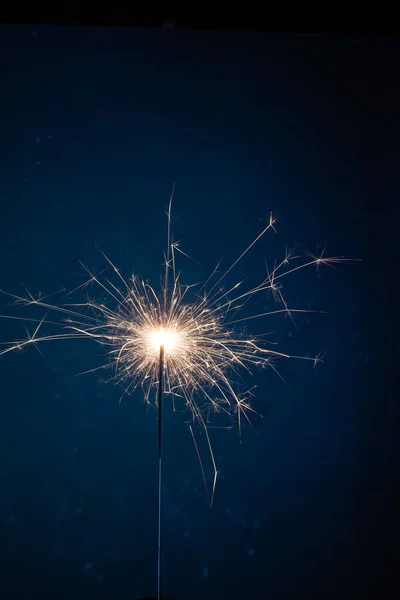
x: 160, y: 406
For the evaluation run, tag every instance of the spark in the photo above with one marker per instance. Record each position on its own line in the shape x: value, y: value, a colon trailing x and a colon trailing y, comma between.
x: 205, y: 351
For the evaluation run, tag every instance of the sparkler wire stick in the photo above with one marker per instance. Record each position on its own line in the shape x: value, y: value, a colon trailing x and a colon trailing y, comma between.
x: 160, y: 406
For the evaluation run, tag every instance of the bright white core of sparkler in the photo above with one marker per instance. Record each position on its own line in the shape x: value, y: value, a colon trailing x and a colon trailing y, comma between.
x: 163, y: 337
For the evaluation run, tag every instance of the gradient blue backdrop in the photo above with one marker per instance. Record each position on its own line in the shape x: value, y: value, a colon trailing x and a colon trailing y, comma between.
x: 96, y: 125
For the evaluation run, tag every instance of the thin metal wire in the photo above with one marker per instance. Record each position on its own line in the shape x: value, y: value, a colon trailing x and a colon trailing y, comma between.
x: 160, y: 406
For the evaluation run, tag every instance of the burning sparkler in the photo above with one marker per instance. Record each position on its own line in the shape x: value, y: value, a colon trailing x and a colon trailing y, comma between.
x: 184, y: 343
x: 197, y: 328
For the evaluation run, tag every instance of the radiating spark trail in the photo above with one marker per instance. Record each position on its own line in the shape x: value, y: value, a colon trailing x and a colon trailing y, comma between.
x: 204, y: 351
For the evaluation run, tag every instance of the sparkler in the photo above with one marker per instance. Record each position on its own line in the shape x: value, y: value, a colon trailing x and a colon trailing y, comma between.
x: 184, y: 343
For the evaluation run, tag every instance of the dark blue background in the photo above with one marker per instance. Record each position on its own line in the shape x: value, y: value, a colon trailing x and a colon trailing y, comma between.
x: 96, y: 125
